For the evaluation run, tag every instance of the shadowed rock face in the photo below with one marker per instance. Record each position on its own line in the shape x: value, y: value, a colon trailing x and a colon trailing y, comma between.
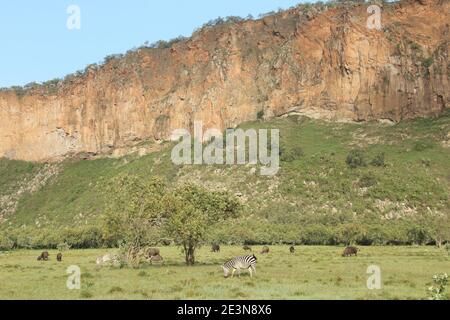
x: 317, y: 61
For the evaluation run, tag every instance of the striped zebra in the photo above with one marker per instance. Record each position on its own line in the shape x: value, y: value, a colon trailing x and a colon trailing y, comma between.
x: 245, y: 262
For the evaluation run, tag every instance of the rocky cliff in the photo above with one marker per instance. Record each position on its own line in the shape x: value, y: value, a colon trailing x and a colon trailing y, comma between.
x: 321, y: 61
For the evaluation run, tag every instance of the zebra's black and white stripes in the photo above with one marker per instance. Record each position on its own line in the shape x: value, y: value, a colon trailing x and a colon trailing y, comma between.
x: 244, y: 262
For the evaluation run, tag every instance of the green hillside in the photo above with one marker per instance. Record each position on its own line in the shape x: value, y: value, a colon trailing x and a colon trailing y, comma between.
x: 399, y: 195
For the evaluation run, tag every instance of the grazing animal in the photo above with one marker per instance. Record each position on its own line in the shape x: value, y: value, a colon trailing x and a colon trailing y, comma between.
x: 350, y: 251
x: 151, y: 252
x: 215, y: 248
x: 247, y: 248
x: 292, y: 249
x: 44, y: 256
x: 157, y: 258
x: 108, y: 259
x: 265, y: 250
x: 245, y: 262
x: 59, y: 257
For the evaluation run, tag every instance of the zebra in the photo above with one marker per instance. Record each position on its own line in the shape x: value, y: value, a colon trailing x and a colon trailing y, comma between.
x: 244, y: 262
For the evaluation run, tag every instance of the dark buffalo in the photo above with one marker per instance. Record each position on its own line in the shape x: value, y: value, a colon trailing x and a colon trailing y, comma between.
x: 265, y: 250
x: 350, y: 251
x: 156, y: 259
x: 215, y: 248
x: 59, y: 257
x: 151, y: 252
x: 44, y: 256
x: 247, y: 248
x: 292, y: 249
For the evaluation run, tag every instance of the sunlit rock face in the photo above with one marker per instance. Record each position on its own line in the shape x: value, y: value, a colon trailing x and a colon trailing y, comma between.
x: 323, y: 62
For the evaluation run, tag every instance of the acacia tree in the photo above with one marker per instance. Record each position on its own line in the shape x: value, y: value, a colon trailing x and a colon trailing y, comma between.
x: 133, y: 211
x: 138, y: 211
x: 441, y: 228
x: 191, y: 211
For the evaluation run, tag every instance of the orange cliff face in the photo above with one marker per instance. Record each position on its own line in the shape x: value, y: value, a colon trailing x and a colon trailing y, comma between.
x: 317, y: 61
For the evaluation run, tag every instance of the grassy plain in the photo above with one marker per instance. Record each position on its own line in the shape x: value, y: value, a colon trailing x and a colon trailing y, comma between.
x: 310, y: 273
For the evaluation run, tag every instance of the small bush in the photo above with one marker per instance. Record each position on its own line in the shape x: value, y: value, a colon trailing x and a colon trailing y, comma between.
x: 447, y: 248
x: 142, y: 274
x: 426, y: 162
x: 438, y: 290
x: 420, y: 146
x: 428, y: 62
x: 6, y: 243
x: 115, y: 290
x: 355, y: 159
x: 317, y: 235
x: 83, y: 237
x: 86, y: 295
x: 379, y: 160
x: 63, y: 246
x: 260, y: 115
x: 112, y: 57
x: 20, y: 92
x: 367, y: 181
x: 291, y: 154
x: 415, y: 46
x: 418, y: 234
x: 352, y: 233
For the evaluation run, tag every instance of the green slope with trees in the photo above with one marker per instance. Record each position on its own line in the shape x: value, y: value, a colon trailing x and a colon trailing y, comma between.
x: 339, y: 183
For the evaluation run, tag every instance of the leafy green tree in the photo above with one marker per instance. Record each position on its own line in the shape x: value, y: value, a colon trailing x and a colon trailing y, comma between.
x: 191, y: 211
x: 132, y: 212
x: 140, y: 212
x: 440, y: 229
x: 6, y: 243
x: 317, y: 234
x: 351, y: 233
x: 418, y: 234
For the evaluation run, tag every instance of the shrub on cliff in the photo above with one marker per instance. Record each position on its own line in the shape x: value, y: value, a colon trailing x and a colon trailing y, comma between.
x: 379, y: 160
x: 356, y: 159
x: 260, y: 115
x: 291, y: 154
x: 421, y: 146
x: 367, y: 180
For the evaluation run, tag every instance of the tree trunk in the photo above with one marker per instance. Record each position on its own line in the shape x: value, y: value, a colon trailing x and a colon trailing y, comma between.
x: 189, y: 251
x: 132, y: 255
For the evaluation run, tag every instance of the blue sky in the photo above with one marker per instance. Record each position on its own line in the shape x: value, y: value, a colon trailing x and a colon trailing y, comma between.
x: 38, y: 46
